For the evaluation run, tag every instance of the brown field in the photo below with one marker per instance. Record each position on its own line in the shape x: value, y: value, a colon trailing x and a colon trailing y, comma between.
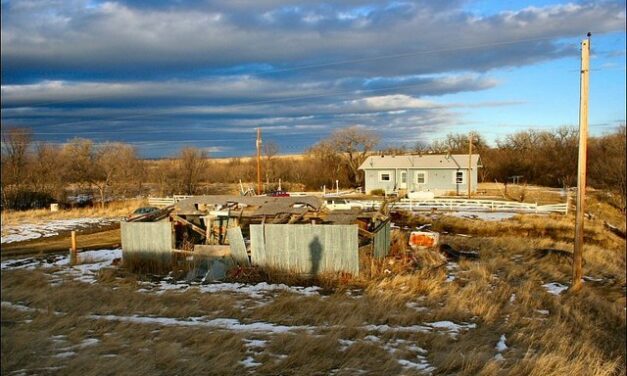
x: 127, y: 323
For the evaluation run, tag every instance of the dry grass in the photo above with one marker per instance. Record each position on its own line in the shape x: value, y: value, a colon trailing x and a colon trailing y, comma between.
x: 502, y: 293
x: 112, y: 209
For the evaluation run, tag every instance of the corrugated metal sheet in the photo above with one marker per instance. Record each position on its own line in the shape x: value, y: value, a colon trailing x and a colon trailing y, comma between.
x: 306, y: 249
x: 147, y: 237
x: 238, y: 247
x: 381, y: 240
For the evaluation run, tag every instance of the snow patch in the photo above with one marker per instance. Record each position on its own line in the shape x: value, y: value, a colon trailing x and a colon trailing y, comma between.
x: 501, y: 345
x: 554, y: 288
x: 249, y: 362
x: 219, y: 323
x: 30, y: 231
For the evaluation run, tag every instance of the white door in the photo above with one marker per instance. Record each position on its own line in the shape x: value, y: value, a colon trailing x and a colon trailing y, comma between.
x: 403, y: 182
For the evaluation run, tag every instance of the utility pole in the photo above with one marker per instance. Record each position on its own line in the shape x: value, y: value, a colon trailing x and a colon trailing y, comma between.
x: 469, y: 177
x: 259, y: 161
x: 581, y: 169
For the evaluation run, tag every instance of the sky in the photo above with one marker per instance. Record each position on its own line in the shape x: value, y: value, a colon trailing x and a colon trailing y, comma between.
x: 163, y: 75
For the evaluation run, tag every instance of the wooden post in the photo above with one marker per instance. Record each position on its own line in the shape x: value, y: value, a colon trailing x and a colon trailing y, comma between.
x: 259, y: 189
x: 208, y: 236
x: 581, y: 169
x: 469, y: 177
x: 73, y: 250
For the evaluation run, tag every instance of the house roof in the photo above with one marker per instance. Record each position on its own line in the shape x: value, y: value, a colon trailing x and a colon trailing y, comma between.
x: 427, y: 161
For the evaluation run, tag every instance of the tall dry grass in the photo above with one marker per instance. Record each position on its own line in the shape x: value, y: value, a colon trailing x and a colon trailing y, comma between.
x: 112, y: 209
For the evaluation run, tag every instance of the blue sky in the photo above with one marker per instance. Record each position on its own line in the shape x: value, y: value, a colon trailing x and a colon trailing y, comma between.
x: 162, y: 75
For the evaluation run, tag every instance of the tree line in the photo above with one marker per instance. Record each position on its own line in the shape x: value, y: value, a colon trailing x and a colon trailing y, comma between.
x: 35, y: 174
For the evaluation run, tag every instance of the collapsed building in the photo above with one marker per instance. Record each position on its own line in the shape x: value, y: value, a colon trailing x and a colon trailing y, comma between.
x: 296, y: 234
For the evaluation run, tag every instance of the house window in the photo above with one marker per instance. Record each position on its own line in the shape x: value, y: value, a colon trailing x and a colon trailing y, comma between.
x: 385, y: 176
x: 421, y: 177
x: 459, y: 177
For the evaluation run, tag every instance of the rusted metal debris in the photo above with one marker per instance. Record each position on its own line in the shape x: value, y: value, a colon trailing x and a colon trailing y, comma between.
x: 454, y: 254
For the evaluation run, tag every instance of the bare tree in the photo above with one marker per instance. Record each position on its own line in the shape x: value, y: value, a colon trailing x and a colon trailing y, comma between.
x: 193, y: 165
x: 270, y: 150
x: 115, y: 166
x: 353, y: 145
x: 15, y: 144
x: 45, y: 170
x: 608, y: 160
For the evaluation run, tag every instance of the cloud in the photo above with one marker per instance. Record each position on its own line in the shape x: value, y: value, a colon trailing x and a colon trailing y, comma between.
x: 116, y: 37
x: 145, y: 71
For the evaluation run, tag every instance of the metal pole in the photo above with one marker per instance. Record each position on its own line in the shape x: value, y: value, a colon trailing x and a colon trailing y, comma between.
x: 259, y: 189
x: 581, y: 170
x: 469, y: 178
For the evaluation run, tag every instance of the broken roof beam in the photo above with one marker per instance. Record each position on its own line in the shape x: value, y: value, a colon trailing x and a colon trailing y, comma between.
x: 197, y: 229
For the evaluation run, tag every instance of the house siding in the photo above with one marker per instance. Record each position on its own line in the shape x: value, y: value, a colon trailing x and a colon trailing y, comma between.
x: 438, y: 181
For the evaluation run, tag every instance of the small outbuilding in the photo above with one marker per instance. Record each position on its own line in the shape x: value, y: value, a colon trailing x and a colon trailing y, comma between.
x: 438, y: 173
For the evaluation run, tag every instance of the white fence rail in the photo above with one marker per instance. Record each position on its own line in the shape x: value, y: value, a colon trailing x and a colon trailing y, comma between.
x: 440, y: 204
x: 166, y: 201
x: 477, y: 205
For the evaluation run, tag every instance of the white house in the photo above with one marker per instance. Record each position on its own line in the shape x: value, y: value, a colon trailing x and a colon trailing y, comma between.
x: 438, y: 173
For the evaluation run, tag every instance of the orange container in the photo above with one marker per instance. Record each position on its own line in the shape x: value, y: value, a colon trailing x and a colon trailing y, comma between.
x: 422, y: 239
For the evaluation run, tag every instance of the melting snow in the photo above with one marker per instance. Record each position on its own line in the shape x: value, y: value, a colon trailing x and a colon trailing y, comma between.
x: 255, y: 343
x: 554, y: 288
x: 249, y: 362
x: 65, y: 354
x: 29, y: 231
x: 423, y: 365
x: 448, y: 327
x: 501, y: 345
x: 219, y: 323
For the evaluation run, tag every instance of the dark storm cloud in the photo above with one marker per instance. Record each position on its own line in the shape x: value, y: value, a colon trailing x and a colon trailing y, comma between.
x: 114, y: 37
x: 148, y: 71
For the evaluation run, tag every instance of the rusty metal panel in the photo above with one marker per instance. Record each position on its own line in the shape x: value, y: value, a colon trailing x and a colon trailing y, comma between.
x: 381, y: 240
x: 305, y: 248
x: 238, y: 247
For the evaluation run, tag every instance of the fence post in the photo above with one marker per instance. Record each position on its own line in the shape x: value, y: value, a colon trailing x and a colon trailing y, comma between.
x: 73, y: 255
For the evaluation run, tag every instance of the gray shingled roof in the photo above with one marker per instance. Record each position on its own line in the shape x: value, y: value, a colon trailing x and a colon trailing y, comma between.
x: 453, y: 161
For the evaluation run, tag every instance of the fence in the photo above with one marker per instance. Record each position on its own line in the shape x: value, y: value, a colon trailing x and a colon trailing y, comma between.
x: 166, y: 201
x: 306, y: 249
x: 443, y: 204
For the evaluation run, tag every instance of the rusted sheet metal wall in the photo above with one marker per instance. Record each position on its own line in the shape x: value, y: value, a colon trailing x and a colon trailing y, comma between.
x: 147, y: 237
x: 381, y: 240
x: 307, y: 249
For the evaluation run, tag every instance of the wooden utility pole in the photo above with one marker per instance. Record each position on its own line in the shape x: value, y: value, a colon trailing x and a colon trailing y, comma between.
x: 73, y: 250
x: 469, y: 177
x: 259, y: 161
x: 581, y: 169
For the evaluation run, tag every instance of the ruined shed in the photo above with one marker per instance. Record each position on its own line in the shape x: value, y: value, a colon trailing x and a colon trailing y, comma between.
x: 288, y: 233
